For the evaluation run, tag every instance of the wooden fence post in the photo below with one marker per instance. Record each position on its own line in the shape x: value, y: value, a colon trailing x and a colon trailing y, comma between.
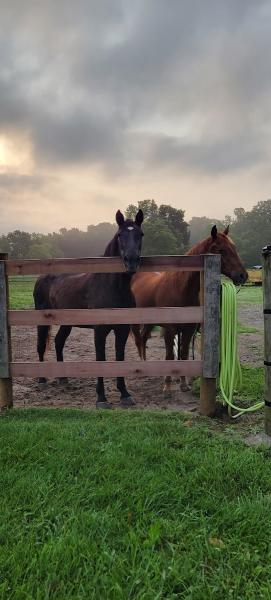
x: 267, y: 335
x: 5, y: 345
x: 210, y: 298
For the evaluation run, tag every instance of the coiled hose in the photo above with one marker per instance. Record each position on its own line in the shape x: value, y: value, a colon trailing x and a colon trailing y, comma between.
x: 230, y: 377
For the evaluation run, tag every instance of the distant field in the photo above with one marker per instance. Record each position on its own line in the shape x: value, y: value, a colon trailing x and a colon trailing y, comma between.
x: 250, y: 294
x: 21, y: 291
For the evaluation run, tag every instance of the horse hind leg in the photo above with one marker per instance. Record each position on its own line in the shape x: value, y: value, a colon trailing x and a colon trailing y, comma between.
x: 42, y: 342
x: 60, y: 339
x: 135, y: 329
x: 185, y: 343
x: 145, y: 336
x: 169, y: 342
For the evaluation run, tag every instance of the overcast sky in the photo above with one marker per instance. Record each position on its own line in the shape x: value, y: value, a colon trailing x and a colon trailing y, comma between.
x: 107, y: 102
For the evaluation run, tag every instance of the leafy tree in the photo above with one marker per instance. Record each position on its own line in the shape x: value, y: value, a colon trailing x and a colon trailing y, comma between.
x: 251, y: 231
x: 158, y: 239
x: 165, y: 230
x: 149, y: 208
x: 174, y: 218
x: 43, y: 249
x: 19, y: 243
x: 200, y: 228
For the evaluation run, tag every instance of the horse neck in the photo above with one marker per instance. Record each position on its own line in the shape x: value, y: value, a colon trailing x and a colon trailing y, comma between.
x: 112, y: 248
x: 189, y: 281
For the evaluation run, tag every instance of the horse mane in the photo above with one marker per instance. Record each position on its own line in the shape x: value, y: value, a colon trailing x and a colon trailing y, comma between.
x: 112, y: 248
x: 181, y: 279
x: 200, y: 248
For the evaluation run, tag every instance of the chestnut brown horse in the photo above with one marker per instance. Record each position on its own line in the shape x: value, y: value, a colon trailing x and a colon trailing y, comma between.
x: 181, y: 288
x: 97, y: 290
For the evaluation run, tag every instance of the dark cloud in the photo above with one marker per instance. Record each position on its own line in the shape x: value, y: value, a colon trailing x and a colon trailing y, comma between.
x: 100, y: 82
x: 226, y: 155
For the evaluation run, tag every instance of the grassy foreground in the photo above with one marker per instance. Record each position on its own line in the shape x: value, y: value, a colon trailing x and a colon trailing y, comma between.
x: 130, y: 505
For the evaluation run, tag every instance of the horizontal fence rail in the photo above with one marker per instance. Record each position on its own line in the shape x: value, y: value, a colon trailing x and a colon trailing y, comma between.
x: 153, y: 368
x: 109, y: 316
x: 102, y: 265
x: 207, y: 314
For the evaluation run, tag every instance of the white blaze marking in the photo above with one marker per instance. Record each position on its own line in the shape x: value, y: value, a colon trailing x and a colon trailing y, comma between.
x: 130, y: 228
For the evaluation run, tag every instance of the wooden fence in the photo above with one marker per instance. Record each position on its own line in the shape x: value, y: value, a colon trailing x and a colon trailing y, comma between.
x: 267, y: 334
x: 207, y: 314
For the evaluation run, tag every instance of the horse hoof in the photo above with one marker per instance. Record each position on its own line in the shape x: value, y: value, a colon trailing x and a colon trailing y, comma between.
x: 184, y: 387
x: 127, y: 401
x: 107, y: 405
x: 42, y: 380
x: 63, y: 380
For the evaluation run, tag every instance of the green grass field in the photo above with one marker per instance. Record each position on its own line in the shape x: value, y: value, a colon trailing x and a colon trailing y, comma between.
x: 250, y: 294
x: 133, y: 505
x: 130, y: 505
x: 21, y: 291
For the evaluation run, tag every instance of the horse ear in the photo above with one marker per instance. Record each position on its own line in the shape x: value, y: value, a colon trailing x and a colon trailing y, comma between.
x: 139, y: 218
x: 119, y: 218
x: 214, y: 232
x: 226, y: 231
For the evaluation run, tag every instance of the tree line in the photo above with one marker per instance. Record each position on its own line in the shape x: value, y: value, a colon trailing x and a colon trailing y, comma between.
x: 165, y: 228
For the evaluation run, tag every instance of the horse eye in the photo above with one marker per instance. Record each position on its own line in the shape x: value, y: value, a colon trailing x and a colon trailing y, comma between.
x: 142, y: 233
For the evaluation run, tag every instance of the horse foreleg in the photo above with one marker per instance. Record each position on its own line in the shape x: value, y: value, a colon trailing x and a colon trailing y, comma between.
x: 169, y: 342
x: 60, y: 339
x: 43, y: 333
x: 100, y: 334
x: 121, y: 336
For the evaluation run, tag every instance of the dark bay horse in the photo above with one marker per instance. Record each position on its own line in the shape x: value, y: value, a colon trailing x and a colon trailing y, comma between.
x: 97, y: 290
x: 181, y: 288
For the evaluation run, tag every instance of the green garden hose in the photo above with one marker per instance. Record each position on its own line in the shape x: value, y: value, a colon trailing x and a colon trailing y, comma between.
x: 230, y: 377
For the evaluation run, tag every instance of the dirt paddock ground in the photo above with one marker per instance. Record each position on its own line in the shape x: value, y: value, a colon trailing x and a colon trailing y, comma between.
x: 147, y: 392
x: 80, y: 393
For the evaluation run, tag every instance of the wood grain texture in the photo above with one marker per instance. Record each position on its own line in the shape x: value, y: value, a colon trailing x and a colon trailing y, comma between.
x: 4, y: 341
x: 210, y: 294
x: 6, y: 399
x: 155, y: 368
x: 193, y: 314
x: 102, y: 265
x: 267, y: 337
x: 212, y: 276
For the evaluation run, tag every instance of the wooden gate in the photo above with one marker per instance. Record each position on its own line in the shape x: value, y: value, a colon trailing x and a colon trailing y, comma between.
x: 207, y: 314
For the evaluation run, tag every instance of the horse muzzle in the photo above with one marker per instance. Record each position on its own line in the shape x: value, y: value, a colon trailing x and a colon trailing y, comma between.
x: 239, y: 278
x: 131, y: 264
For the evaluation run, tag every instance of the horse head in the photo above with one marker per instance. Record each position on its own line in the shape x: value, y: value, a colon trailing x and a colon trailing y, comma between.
x: 129, y: 239
x: 231, y: 264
